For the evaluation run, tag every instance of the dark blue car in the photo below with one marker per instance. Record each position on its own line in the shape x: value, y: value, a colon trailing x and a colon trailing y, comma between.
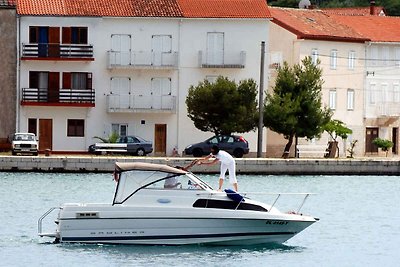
x: 233, y: 144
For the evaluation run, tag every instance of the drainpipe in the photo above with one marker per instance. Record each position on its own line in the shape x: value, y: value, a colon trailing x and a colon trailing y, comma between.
x: 18, y: 78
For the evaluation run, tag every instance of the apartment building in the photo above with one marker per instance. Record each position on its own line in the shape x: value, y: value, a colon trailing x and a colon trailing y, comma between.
x: 87, y: 69
x: 297, y: 33
x: 382, y: 77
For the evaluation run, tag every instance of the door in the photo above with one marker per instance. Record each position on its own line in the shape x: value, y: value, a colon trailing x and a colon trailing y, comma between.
x: 120, y: 49
x: 395, y: 134
x: 54, y: 87
x: 370, y: 135
x: 45, y: 134
x: 160, y: 140
x: 161, y: 48
x: 215, y: 48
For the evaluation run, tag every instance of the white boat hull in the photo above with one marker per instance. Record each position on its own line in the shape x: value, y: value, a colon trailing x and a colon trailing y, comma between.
x: 153, y: 230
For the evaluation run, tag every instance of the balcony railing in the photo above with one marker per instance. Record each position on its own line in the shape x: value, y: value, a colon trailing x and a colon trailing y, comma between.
x: 54, y: 51
x: 387, y: 109
x: 69, y: 97
x: 222, y: 59
x: 139, y: 103
x: 142, y: 60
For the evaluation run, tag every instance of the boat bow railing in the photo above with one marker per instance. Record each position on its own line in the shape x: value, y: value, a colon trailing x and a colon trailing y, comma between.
x: 278, y: 195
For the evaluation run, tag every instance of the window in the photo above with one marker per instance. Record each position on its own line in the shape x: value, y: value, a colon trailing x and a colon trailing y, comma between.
x: 373, y: 60
x: 120, y: 129
x: 314, y: 56
x: 350, y: 99
x: 372, y: 93
x: 76, y: 128
x: 333, y: 59
x: 215, y: 48
x: 161, y: 86
x: 211, y: 78
x: 32, y: 126
x: 397, y: 56
x: 332, y: 99
x: 161, y: 46
x: 74, y: 35
x: 352, y: 57
x: 276, y: 60
x: 385, y: 55
x: 121, y: 50
x: 33, y: 35
x: 77, y: 80
x: 396, y: 93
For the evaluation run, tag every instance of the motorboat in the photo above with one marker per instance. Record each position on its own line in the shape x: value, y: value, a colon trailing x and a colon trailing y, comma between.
x: 156, y: 204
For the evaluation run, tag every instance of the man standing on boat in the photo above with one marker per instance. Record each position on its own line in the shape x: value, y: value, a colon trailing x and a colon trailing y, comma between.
x: 227, y: 163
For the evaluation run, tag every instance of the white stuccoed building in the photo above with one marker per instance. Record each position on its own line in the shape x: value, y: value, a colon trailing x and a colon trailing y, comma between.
x: 126, y: 66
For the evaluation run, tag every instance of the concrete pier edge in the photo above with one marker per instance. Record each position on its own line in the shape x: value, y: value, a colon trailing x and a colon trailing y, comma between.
x: 266, y: 166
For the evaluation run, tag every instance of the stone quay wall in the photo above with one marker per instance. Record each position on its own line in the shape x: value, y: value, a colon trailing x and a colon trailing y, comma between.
x: 380, y: 166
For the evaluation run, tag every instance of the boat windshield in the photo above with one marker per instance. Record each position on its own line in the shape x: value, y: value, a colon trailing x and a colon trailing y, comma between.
x: 130, y: 182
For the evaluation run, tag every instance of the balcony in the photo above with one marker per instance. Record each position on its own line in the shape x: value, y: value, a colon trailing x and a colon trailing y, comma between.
x: 69, y: 52
x: 61, y: 97
x: 388, y: 109
x: 142, y: 60
x: 141, y: 104
x: 232, y: 60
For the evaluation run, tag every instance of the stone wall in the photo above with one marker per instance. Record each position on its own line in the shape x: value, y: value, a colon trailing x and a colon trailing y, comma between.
x: 8, y: 65
x: 366, y: 166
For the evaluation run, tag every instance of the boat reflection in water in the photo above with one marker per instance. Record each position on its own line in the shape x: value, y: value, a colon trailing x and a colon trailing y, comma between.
x: 161, y: 205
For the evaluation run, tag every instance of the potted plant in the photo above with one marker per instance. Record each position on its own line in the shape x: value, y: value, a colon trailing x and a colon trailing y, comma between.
x: 383, y: 144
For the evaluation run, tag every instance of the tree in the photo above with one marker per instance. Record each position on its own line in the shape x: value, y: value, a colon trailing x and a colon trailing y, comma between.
x: 336, y: 128
x: 384, y: 144
x: 295, y: 107
x: 223, y: 107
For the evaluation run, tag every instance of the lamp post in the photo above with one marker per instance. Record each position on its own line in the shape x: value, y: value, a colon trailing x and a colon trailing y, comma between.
x: 261, y: 102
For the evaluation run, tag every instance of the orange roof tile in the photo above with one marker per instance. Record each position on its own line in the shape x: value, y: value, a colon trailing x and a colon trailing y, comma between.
x: 111, y: 8
x: 146, y: 8
x: 376, y: 28
x: 314, y: 24
x: 224, y: 8
x: 354, y: 11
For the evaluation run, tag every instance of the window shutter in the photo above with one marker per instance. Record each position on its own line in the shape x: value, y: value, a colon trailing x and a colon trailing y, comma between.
x: 89, y: 80
x: 66, y: 35
x: 66, y: 80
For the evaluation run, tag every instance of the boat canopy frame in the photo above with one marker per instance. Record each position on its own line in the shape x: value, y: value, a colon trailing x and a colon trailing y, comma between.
x: 152, y: 176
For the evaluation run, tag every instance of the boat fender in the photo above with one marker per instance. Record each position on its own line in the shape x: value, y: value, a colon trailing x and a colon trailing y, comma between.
x: 234, y: 195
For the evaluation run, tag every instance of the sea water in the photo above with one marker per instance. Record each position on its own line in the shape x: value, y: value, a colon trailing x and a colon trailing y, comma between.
x: 359, y: 223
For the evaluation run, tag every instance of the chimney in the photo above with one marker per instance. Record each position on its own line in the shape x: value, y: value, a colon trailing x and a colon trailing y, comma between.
x: 372, y: 7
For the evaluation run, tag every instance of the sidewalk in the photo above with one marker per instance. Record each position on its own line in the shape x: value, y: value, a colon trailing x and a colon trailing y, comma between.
x: 89, y: 163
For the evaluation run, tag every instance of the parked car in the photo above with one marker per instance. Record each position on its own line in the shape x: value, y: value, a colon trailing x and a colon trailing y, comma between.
x: 133, y: 145
x: 233, y: 144
x: 24, y: 143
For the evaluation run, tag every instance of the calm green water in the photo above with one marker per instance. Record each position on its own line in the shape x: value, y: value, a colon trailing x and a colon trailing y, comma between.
x: 359, y: 226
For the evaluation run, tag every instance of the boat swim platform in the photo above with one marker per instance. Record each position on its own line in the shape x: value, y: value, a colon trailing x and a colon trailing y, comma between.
x: 267, y: 166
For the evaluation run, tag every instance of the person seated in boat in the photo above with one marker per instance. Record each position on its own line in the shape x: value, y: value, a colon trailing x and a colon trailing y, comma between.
x: 227, y: 164
x: 172, y: 182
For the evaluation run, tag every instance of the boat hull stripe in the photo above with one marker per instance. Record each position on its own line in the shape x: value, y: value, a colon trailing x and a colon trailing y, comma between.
x: 166, y: 237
